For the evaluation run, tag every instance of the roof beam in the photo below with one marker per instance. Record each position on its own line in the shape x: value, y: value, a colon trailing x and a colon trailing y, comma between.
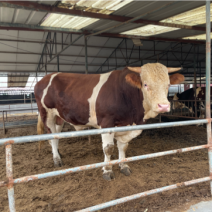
x: 26, y: 27
x: 114, y: 35
x: 28, y: 5
x: 93, y: 56
x: 4, y: 25
x: 95, y: 64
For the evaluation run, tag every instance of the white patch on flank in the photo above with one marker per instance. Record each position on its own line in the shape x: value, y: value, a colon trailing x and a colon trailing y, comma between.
x: 127, y: 136
x: 46, y: 89
x: 92, y: 100
x: 50, y: 122
x: 197, y: 91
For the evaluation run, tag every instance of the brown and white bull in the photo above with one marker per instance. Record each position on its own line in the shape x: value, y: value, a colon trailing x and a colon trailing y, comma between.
x: 118, y: 98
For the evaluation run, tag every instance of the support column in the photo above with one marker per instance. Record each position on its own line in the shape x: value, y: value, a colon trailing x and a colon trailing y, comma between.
x: 9, y: 172
x: 86, y: 56
x: 208, y: 76
x: 195, y: 83
x: 58, y: 64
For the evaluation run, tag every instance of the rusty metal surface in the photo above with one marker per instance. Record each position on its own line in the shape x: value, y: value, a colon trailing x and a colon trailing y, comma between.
x: 57, y: 10
x: 98, y: 165
x: 9, y: 173
x: 208, y: 78
x: 33, y: 138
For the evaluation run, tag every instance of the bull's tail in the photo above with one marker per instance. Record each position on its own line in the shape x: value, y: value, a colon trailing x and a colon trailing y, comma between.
x: 40, y: 130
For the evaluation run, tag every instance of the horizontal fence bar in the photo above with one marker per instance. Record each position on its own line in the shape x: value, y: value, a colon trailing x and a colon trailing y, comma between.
x: 7, y: 100
x: 186, y: 117
x: 22, y: 109
x: 98, y: 165
x: 26, y: 139
x: 144, y: 194
x: 187, y: 100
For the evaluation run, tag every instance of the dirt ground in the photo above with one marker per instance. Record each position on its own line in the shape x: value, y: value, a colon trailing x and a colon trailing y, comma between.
x: 84, y: 189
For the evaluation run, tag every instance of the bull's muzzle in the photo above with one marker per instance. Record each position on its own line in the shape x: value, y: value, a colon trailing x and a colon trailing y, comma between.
x: 164, y: 107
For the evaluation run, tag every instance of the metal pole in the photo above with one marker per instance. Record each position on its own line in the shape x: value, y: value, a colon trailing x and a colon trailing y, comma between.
x: 208, y: 76
x: 143, y: 194
x: 195, y: 83
x: 98, y: 165
x: 58, y: 64
x: 9, y: 172
x: 31, y: 102
x: 3, y: 122
x: 86, y: 56
x: 32, y: 138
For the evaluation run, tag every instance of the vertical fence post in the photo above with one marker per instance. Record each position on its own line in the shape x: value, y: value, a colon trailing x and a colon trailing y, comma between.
x: 9, y: 171
x: 208, y: 81
x: 195, y: 82
x: 3, y: 122
x: 86, y: 56
x: 31, y: 101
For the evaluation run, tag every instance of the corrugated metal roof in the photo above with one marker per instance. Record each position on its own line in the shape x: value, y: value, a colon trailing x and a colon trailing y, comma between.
x: 74, y: 22
x: 197, y: 37
x: 152, y: 11
x: 190, y: 18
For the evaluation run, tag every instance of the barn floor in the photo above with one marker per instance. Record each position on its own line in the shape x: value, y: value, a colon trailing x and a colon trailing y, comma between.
x: 83, y: 189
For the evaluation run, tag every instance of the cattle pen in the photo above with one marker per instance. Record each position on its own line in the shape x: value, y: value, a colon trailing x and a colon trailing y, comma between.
x: 52, y: 56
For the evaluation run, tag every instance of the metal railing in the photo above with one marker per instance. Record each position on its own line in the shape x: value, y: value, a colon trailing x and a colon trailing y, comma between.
x: 8, y: 142
x: 17, y: 110
x: 190, y: 109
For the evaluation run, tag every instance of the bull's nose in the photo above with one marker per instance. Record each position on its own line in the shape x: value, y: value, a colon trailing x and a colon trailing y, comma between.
x: 163, y: 107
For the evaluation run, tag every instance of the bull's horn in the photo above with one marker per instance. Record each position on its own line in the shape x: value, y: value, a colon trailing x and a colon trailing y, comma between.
x: 135, y: 69
x: 170, y: 70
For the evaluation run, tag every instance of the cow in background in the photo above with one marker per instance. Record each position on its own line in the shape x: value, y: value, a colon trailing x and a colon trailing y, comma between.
x: 118, y: 98
x: 190, y: 95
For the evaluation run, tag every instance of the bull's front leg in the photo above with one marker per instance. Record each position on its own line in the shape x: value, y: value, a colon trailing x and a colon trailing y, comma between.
x: 124, y: 168
x: 108, y: 146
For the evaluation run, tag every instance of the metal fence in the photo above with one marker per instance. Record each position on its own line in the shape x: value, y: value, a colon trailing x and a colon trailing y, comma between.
x: 190, y: 109
x: 8, y: 142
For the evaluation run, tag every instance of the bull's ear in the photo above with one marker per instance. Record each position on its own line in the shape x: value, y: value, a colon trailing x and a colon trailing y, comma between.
x: 176, y: 79
x: 135, y: 69
x: 134, y: 80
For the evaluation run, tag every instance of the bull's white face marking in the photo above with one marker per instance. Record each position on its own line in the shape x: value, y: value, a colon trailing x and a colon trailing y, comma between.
x: 155, y: 84
x: 197, y: 91
x: 92, y: 100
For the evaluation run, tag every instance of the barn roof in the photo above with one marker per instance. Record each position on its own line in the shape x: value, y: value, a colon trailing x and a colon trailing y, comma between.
x: 158, y: 26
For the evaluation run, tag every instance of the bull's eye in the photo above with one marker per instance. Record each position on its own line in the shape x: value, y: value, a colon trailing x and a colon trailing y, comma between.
x: 145, y: 85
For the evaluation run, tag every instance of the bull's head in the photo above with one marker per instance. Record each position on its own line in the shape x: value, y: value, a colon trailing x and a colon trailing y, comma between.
x: 154, y: 81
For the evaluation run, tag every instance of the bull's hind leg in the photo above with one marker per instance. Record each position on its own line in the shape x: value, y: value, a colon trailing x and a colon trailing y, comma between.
x: 124, y: 168
x: 108, y: 146
x: 55, y: 128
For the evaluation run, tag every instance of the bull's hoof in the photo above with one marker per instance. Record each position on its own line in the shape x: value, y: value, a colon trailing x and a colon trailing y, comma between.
x: 126, y: 171
x: 108, y: 176
x: 58, y: 162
